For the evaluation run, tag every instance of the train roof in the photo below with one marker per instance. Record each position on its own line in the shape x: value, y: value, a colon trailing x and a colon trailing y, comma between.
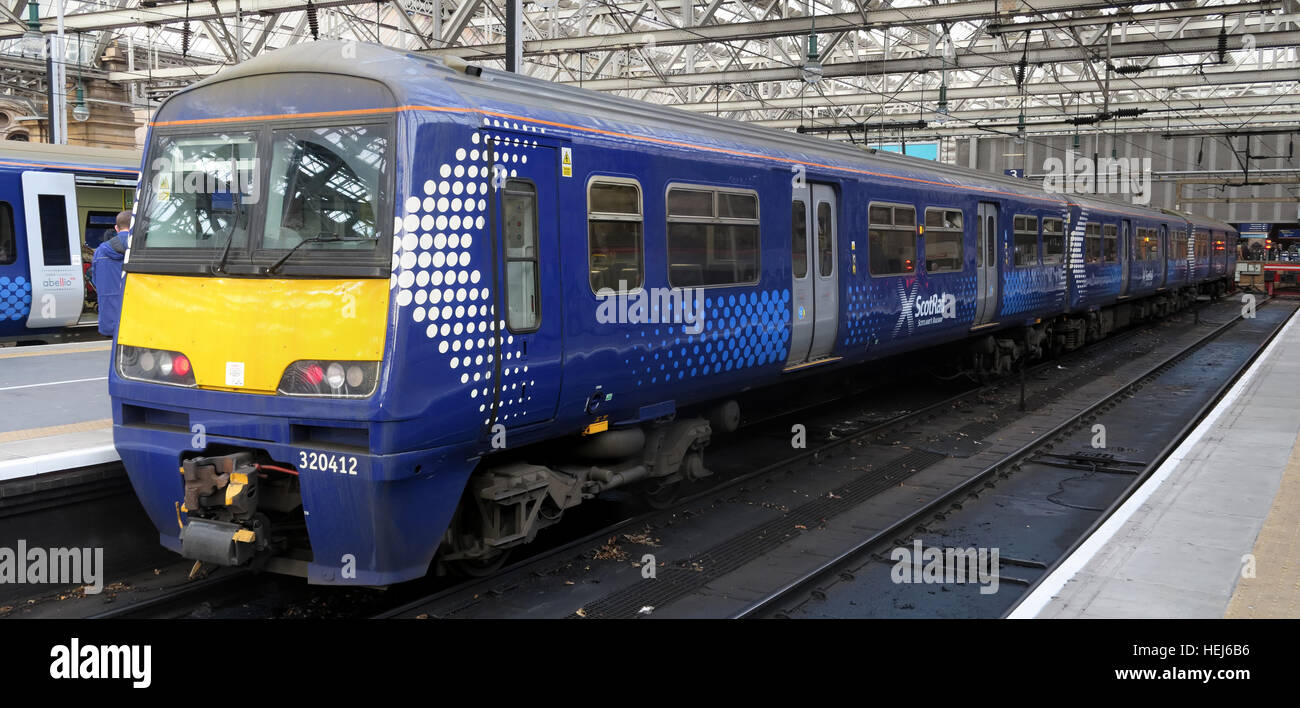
x: 20, y: 154
x: 407, y: 76
x: 1198, y: 220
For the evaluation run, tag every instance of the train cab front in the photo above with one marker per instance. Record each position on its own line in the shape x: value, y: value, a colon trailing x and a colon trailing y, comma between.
x: 255, y: 406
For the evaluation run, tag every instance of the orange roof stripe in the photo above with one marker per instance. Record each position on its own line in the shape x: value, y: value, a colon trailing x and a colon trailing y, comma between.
x: 599, y: 131
x: 68, y: 164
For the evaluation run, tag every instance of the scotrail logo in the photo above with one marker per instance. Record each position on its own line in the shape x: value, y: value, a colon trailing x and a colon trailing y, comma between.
x: 915, y: 311
x: 936, y: 308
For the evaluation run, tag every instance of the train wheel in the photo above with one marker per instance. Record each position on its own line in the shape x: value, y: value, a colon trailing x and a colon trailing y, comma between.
x: 480, y: 567
x: 661, y: 495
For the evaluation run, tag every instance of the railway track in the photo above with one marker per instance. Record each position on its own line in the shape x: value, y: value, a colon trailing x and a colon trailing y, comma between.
x: 816, y: 585
x: 843, y: 437
x: 181, y: 599
x: 198, y: 597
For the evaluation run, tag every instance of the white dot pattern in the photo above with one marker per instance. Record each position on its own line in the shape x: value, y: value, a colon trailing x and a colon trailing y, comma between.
x: 437, y: 280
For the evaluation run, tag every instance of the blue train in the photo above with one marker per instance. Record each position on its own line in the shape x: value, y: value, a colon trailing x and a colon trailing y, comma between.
x: 56, y: 203
x: 383, y: 311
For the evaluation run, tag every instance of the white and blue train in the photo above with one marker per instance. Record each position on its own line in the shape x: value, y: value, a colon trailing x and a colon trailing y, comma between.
x: 427, y: 308
x: 56, y: 204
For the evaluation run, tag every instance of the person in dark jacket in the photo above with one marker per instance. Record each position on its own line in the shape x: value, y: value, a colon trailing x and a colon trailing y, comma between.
x: 106, y: 274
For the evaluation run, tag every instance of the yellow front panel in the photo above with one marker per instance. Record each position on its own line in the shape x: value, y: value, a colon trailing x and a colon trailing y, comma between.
x: 265, y: 324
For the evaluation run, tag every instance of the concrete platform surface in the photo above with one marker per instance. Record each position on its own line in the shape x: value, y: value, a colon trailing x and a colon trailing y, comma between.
x: 1186, y: 544
x: 54, y: 408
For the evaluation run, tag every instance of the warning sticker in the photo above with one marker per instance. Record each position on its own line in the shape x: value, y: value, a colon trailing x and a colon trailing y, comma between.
x: 566, y: 162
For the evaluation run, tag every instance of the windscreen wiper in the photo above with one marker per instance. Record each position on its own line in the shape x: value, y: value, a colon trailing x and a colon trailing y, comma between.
x: 321, y: 238
x: 220, y: 265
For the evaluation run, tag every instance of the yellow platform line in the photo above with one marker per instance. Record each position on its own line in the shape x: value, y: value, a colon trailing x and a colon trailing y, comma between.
x: 1275, y: 589
x: 97, y: 347
x: 33, y: 433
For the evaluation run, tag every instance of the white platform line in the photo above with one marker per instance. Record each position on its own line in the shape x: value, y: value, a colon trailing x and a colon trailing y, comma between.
x: 1034, y: 604
x: 58, y: 461
x: 53, y: 383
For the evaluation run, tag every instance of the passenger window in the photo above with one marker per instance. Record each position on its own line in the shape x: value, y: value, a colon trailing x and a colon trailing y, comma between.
x: 712, y: 237
x: 1148, y: 247
x: 98, y: 227
x: 614, y: 236
x: 799, y: 239
x: 944, y: 239
x: 892, y: 239
x: 1092, y: 243
x: 8, y: 245
x: 992, y: 240
x: 826, y: 240
x: 519, y: 207
x: 54, y: 229
x: 1026, y: 240
x: 1110, y: 243
x: 1053, y: 241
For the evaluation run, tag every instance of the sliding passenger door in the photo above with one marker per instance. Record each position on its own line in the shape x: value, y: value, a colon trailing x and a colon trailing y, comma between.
x: 986, y: 264
x: 826, y: 280
x: 1125, y: 255
x: 54, y: 248
x: 803, y: 301
x: 815, y: 278
x: 1164, y: 254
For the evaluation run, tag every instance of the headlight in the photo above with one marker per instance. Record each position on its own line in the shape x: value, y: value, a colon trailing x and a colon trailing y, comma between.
x: 154, y: 365
x: 339, y: 379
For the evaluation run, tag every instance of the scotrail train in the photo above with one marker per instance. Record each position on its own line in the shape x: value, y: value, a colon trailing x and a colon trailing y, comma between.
x: 56, y: 203
x: 430, y: 307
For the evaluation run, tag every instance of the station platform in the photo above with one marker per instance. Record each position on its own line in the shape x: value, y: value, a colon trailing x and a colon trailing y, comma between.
x: 54, y: 408
x: 1215, y: 530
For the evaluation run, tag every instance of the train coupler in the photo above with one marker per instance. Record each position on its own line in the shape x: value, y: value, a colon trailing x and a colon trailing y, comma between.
x: 221, y: 499
x: 218, y: 542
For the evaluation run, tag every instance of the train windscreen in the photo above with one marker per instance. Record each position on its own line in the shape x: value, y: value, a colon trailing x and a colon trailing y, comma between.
x: 242, y: 201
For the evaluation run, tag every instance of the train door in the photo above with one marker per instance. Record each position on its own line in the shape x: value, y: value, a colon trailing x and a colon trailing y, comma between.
x: 803, y: 303
x: 525, y: 231
x: 815, y: 277
x: 986, y: 263
x: 826, y: 280
x: 1164, y: 254
x: 1125, y: 248
x: 53, y: 248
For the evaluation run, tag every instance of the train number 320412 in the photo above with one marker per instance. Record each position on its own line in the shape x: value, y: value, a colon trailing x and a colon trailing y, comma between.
x: 325, y: 462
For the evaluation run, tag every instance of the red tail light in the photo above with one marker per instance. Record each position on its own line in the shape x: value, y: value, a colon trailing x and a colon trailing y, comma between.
x: 154, y: 365
x: 322, y: 377
x: 314, y: 374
